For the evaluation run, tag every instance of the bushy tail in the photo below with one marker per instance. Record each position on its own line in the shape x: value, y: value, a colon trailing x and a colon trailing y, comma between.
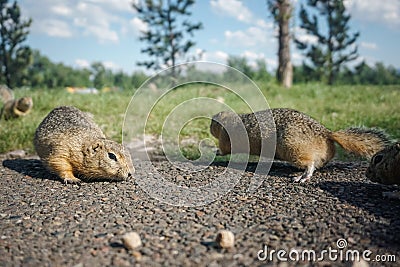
x: 361, y: 141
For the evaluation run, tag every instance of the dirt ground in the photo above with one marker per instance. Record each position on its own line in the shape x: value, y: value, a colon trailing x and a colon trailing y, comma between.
x: 44, y: 222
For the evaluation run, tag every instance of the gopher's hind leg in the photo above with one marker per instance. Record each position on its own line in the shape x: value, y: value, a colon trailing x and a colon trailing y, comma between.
x: 306, y: 175
x: 63, y: 169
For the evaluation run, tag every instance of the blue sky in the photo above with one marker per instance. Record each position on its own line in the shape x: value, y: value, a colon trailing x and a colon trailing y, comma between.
x: 77, y: 33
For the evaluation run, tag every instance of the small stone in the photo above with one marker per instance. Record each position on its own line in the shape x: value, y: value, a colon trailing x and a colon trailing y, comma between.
x: 118, y: 261
x: 225, y: 239
x: 273, y: 237
x: 93, y: 252
x: 137, y: 255
x: 351, y: 240
x: 131, y: 240
x: 199, y: 213
x: 16, y: 154
x: 361, y: 263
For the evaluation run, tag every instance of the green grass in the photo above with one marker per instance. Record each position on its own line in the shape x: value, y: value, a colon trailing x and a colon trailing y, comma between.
x: 336, y: 107
x: 108, y: 110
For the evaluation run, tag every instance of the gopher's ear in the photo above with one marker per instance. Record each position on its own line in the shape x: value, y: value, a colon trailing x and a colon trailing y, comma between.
x: 92, y: 148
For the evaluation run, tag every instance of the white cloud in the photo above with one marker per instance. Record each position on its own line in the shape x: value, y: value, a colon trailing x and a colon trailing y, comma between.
x: 255, y: 35
x: 138, y: 25
x: 304, y: 37
x: 111, y: 65
x: 82, y: 63
x: 383, y: 11
x: 272, y: 64
x: 253, y: 57
x: 61, y: 10
x: 371, y: 46
x: 54, y: 28
x: 114, y: 5
x: 232, y: 8
x: 215, y: 56
x: 212, y: 56
x: 258, y: 34
x: 252, y: 36
x: 297, y: 57
x: 102, y: 34
x: 264, y: 25
x: 96, y: 21
x: 101, y: 19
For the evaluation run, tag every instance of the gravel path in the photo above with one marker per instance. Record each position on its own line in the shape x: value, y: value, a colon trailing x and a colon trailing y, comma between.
x: 46, y: 223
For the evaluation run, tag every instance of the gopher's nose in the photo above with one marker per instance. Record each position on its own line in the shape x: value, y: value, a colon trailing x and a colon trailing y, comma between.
x: 129, y: 175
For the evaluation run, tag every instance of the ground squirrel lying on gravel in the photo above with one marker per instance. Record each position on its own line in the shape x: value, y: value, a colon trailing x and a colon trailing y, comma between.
x: 13, y: 108
x: 300, y: 140
x: 384, y: 167
x: 71, y: 145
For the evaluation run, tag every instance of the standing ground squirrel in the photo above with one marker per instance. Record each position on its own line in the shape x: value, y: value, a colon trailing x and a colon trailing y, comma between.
x: 13, y: 108
x: 300, y: 140
x: 71, y: 145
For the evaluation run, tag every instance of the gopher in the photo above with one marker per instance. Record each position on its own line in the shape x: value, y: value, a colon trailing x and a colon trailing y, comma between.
x: 300, y: 140
x: 384, y: 167
x: 14, y: 108
x: 72, y: 146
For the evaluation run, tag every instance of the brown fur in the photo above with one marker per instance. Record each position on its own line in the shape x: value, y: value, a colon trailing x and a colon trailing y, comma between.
x: 384, y: 167
x: 71, y: 145
x: 14, y: 108
x: 300, y: 140
x: 17, y: 108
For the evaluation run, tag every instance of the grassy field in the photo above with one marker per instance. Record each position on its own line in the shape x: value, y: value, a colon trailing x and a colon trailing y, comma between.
x: 336, y: 107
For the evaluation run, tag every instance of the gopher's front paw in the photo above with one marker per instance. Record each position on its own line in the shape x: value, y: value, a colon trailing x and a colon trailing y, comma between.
x: 301, y: 179
x: 71, y: 180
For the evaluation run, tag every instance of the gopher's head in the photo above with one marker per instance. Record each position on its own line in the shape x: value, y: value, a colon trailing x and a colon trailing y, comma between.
x: 105, y: 159
x: 220, y: 121
x: 24, y: 104
x: 384, y: 167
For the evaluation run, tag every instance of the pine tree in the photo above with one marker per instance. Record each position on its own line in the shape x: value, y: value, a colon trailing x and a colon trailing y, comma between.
x: 167, y: 32
x: 281, y: 11
x: 333, y: 48
x: 14, y: 56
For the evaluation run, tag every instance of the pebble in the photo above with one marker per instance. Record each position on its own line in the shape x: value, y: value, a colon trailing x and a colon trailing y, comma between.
x: 137, y: 255
x: 225, y: 239
x: 16, y: 154
x: 361, y: 263
x: 131, y: 240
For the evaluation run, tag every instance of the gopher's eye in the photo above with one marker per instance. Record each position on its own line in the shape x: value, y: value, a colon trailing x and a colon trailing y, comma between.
x: 378, y: 158
x: 112, y: 156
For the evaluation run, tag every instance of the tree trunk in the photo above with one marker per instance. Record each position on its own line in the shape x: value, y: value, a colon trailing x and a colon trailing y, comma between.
x: 285, y: 68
